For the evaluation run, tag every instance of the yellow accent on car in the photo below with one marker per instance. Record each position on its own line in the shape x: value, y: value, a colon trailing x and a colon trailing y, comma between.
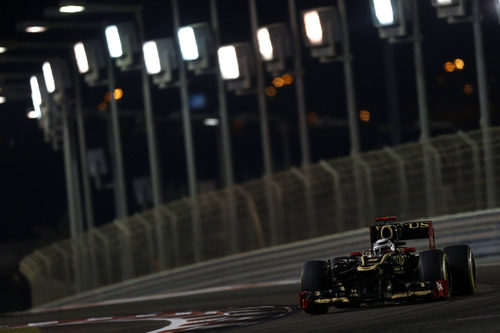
x: 412, y: 293
x: 331, y: 300
x: 364, y: 267
x: 322, y: 301
x: 340, y: 299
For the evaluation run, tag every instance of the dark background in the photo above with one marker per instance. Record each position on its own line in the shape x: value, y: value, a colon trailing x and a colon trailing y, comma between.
x: 33, y: 210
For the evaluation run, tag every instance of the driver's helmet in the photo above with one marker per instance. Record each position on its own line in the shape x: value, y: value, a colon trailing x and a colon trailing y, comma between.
x: 383, y: 246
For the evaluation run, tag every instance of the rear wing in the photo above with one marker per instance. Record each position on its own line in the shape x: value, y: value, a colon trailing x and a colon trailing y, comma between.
x: 398, y: 232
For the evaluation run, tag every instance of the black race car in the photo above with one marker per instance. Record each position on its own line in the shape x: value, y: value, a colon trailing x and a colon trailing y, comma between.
x: 389, y: 271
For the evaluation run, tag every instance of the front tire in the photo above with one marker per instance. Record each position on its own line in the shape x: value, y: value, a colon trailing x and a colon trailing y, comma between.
x: 462, y: 268
x: 314, y: 277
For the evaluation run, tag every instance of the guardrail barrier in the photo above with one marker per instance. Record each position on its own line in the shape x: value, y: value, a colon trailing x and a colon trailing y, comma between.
x: 345, y: 194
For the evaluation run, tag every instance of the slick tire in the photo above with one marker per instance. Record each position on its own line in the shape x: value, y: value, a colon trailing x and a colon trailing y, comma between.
x: 462, y: 268
x: 314, y: 277
x: 433, y: 266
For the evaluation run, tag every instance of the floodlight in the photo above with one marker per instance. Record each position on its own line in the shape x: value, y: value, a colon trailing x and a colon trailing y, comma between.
x: 3, y: 99
x: 123, y: 45
x: 36, y: 95
x: 48, y: 77
x: 390, y: 17
x: 35, y: 114
x: 450, y: 8
x: 39, y: 93
x: 384, y: 12
x: 90, y: 59
x: 236, y: 65
x: 114, y: 42
x: 228, y: 62
x: 187, y: 41
x: 72, y: 6
x: 274, y: 46
x: 443, y: 2
x: 322, y: 31
x: 3, y: 49
x: 265, y: 45
x: 36, y: 98
x: 160, y: 58
x: 312, y: 25
x: 81, y: 58
x: 56, y: 77
x: 211, y: 122
x: 35, y: 29
x: 71, y: 9
x: 151, y: 57
x: 197, y: 46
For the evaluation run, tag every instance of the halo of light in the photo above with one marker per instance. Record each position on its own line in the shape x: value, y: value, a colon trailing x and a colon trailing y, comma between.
x: 459, y: 64
x: 271, y: 91
x: 278, y: 82
x: 449, y: 67
x: 118, y: 93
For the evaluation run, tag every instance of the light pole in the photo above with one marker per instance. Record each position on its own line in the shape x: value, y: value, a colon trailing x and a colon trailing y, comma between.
x: 455, y: 11
x: 57, y: 82
x: 188, y: 142
x: 391, y: 18
x: 264, y: 127
x: 264, y: 121
x: 276, y: 45
x: 87, y: 192
x: 225, y: 135
x: 325, y: 29
x: 423, y: 109
x: 484, y: 106
x: 120, y: 191
x: 349, y: 80
x: 299, y: 84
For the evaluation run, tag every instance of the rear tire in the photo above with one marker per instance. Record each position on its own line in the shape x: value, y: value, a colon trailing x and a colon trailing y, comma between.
x: 314, y: 277
x: 462, y: 269
x: 433, y: 266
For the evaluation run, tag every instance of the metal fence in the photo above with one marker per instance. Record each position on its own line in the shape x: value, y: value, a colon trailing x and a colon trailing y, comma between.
x: 300, y: 203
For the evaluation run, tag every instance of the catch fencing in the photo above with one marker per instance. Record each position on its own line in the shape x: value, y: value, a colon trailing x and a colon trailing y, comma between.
x: 441, y: 176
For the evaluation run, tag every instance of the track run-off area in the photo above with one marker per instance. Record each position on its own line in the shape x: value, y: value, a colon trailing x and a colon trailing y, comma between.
x: 257, y: 291
x: 268, y: 307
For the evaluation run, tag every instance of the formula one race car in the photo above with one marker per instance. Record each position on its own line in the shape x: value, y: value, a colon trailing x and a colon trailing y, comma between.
x: 389, y: 271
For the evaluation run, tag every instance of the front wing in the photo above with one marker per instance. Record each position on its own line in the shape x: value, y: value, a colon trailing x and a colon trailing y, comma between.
x: 432, y: 290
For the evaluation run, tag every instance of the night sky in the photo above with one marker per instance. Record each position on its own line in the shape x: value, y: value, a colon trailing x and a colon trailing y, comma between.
x: 33, y: 199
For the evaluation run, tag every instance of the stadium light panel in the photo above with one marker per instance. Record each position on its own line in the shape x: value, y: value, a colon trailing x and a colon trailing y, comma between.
x: 450, y: 8
x: 3, y: 49
x: 71, y: 9
x: 188, y: 45
x: 3, y: 99
x: 312, y: 24
x: 113, y: 40
x: 36, y: 95
x: 384, y: 11
x: 81, y: 58
x: 35, y: 29
x: 265, y: 44
x: 444, y: 2
x: 228, y: 62
x: 211, y: 122
x: 35, y: 114
x: 151, y: 57
x: 48, y: 77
